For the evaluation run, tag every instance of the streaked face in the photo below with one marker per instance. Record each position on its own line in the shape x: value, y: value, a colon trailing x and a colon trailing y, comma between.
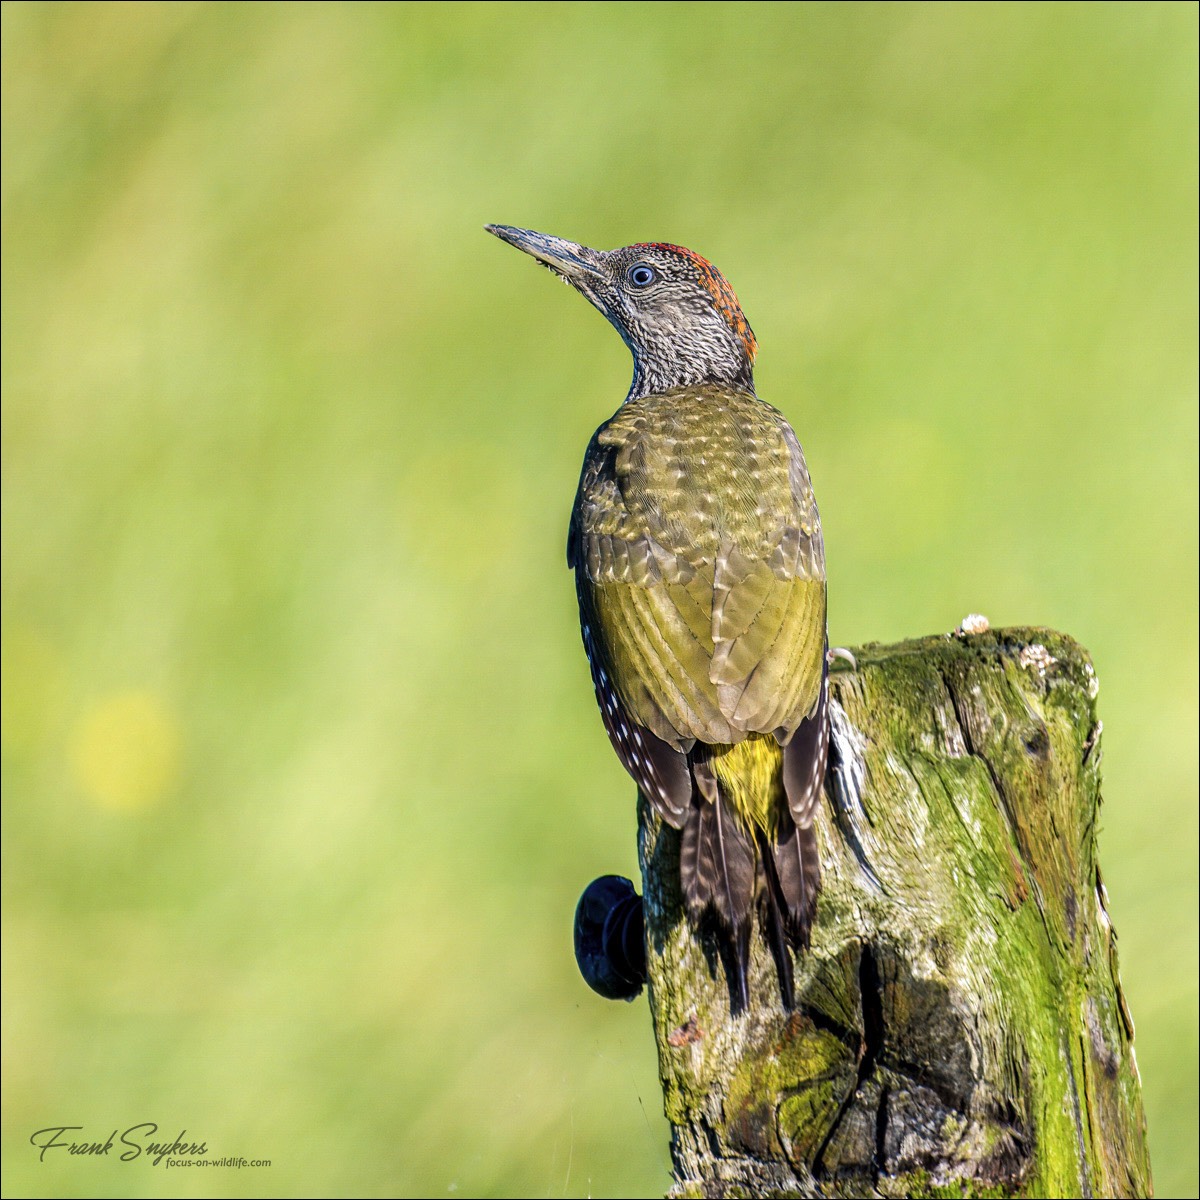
x: 661, y: 284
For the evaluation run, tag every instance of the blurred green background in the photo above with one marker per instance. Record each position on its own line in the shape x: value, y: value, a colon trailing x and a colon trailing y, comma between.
x: 302, y: 770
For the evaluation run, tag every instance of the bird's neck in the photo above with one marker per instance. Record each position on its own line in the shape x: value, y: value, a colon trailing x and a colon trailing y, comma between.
x: 653, y: 375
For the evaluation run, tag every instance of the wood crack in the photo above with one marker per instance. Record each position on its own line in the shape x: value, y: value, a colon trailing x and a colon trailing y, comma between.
x: 871, y: 1046
x: 1026, y: 881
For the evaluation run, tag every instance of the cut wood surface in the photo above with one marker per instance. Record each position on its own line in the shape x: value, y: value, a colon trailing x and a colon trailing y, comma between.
x: 960, y: 1027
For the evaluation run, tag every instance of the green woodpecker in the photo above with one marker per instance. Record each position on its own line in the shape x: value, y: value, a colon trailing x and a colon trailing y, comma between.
x: 700, y: 573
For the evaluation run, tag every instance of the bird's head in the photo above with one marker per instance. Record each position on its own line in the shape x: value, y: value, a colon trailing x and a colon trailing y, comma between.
x: 675, y: 310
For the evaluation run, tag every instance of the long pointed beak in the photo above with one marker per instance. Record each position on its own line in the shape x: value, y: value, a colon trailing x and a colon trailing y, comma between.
x: 578, y: 265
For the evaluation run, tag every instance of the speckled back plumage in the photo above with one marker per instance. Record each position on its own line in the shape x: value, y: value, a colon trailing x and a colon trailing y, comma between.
x: 698, y: 544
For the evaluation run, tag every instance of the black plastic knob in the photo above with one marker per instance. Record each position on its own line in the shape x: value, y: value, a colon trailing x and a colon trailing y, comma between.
x: 610, y: 945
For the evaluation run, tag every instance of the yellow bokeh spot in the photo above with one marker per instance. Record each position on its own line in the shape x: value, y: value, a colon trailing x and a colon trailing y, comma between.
x: 125, y: 751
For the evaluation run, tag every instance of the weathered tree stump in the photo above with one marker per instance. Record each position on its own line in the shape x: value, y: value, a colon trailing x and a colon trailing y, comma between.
x: 960, y: 1028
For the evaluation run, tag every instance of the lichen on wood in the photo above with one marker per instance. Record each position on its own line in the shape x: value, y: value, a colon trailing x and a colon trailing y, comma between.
x: 960, y: 1028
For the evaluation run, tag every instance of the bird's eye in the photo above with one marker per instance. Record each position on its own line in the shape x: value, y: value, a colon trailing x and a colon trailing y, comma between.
x: 641, y: 275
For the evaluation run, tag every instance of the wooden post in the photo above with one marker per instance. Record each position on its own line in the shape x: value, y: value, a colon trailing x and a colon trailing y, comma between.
x: 960, y: 1028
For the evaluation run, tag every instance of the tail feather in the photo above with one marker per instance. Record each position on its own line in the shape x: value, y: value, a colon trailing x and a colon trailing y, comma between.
x: 773, y: 922
x: 717, y: 864
x: 718, y: 870
x: 725, y: 868
x: 797, y: 878
x: 805, y: 758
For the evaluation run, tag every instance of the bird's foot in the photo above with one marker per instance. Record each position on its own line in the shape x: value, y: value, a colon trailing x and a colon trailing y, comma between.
x: 847, y: 779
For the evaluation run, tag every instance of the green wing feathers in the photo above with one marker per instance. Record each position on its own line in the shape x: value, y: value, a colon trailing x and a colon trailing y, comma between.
x: 769, y: 636
x: 659, y: 642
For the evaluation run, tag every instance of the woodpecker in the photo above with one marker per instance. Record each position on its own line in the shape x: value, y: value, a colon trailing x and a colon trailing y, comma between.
x: 700, y: 574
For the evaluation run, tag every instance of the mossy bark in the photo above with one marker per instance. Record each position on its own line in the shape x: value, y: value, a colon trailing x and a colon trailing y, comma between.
x: 960, y: 1028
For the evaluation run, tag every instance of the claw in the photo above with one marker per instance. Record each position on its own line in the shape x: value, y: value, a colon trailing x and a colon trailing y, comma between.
x: 841, y: 652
